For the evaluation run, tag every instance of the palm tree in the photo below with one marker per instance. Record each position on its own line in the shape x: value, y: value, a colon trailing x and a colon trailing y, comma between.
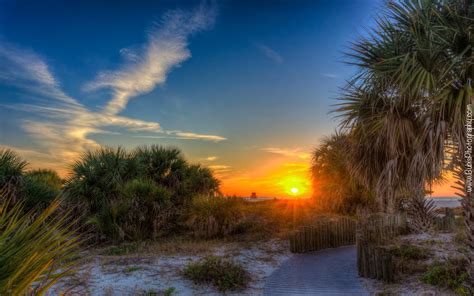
x: 334, y: 188
x: 123, y: 195
x: 408, y: 104
x: 11, y: 172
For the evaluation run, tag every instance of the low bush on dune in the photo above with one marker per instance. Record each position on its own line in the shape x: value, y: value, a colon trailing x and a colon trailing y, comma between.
x: 210, y: 217
x: 168, y: 168
x: 137, y: 195
x: 224, y: 274
x: 449, y: 274
x: 411, y: 252
x: 35, y: 189
x: 41, y: 188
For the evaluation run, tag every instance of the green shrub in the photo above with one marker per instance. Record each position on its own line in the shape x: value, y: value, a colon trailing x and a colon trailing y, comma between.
x: 210, y: 217
x: 40, y: 188
x: 132, y: 269
x: 169, y: 291
x: 143, y: 204
x: 223, y: 274
x: 121, y: 249
x: 450, y: 274
x: 167, y: 167
x: 96, y: 178
x: 138, y: 195
x: 35, y: 189
x: 411, y: 252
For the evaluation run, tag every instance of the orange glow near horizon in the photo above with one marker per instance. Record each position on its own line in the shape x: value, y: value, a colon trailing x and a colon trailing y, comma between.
x: 275, y: 177
x: 278, y: 179
x: 291, y: 180
x: 444, y: 189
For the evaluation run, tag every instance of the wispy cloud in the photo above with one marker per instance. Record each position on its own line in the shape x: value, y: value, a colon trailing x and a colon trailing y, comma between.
x: 144, y: 69
x: 329, y: 75
x: 193, y: 136
x: 289, y: 152
x: 220, y: 168
x: 211, y: 158
x: 61, y: 126
x: 270, y: 53
x: 184, y: 136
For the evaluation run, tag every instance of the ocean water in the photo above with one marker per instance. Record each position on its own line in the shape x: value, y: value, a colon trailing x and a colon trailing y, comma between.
x: 446, y: 202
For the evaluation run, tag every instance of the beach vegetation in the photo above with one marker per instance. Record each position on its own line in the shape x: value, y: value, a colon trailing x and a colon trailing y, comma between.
x: 224, y: 274
x: 450, y: 274
x: 36, y: 249
x: 334, y: 187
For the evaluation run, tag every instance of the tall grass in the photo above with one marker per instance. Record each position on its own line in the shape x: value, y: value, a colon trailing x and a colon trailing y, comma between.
x: 34, y: 252
x: 210, y: 217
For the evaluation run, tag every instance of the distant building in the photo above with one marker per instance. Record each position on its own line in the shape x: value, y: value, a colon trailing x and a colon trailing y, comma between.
x: 253, y: 195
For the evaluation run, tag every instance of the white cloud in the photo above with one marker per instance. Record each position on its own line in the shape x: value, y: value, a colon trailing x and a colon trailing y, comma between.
x: 270, y: 53
x: 62, y: 126
x: 289, y: 152
x: 193, y: 136
x: 185, y: 136
x: 220, y: 168
x: 329, y: 75
x: 167, y: 47
x: 211, y: 158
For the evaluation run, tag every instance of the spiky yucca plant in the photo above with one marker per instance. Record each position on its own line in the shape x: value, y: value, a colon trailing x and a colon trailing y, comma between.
x: 34, y: 252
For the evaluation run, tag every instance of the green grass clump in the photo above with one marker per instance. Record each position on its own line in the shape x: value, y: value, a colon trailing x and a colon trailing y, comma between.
x: 224, y: 274
x: 411, y: 252
x: 121, y: 250
x: 448, y: 274
x: 169, y: 291
x: 132, y: 269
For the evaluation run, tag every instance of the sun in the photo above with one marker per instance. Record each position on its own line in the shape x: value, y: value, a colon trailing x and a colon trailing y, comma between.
x: 294, y: 186
x: 294, y: 190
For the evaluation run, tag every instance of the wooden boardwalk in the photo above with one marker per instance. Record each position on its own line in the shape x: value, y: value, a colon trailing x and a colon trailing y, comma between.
x: 330, y: 272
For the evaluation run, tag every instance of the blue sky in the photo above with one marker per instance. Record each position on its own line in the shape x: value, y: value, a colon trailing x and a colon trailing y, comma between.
x: 243, y: 87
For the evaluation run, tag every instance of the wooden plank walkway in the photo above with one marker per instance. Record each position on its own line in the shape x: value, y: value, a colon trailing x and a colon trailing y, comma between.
x: 330, y: 272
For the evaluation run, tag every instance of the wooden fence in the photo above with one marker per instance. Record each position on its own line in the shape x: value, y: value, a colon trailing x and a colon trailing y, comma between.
x: 323, y: 235
x: 373, y: 259
x: 445, y: 222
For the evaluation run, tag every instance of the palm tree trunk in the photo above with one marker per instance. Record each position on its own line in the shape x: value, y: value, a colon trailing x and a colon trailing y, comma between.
x: 468, y: 205
x: 468, y: 210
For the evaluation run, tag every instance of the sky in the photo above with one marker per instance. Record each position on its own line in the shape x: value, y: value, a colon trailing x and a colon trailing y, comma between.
x: 242, y: 87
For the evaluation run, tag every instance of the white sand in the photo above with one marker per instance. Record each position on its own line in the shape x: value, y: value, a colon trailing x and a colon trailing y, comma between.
x: 108, y: 275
